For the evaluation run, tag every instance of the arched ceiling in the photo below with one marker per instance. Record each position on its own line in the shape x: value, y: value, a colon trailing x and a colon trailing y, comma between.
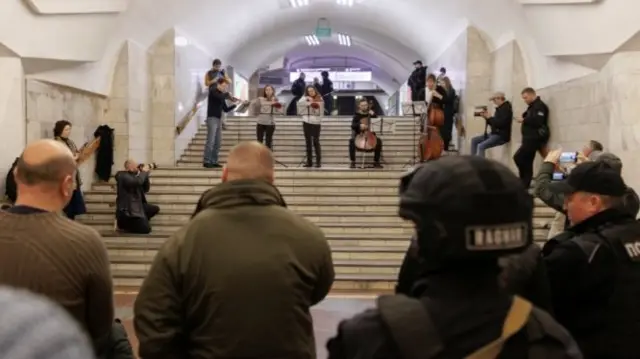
x: 251, y: 31
x: 390, y: 54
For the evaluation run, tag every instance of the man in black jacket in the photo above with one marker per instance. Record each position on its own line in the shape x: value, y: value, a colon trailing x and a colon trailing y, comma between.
x: 535, y: 134
x: 500, y: 124
x: 468, y: 212
x: 133, y: 213
x: 297, y: 90
x: 326, y: 91
x: 417, y: 81
x: 217, y: 105
x: 594, y: 267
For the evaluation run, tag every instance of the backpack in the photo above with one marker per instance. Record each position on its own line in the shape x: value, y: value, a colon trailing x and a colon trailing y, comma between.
x: 416, y: 336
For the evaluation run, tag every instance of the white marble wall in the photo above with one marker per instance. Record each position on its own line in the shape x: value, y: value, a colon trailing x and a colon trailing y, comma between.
x: 117, y: 112
x: 162, y: 99
x: 13, y: 135
x: 47, y: 103
x: 603, y: 107
x: 191, y: 64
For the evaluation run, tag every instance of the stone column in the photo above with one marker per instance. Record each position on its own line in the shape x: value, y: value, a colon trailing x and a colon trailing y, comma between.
x: 162, y: 93
x: 12, y: 114
x: 117, y: 112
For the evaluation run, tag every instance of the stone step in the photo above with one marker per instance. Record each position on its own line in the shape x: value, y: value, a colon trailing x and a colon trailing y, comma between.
x: 232, y: 120
x: 343, y: 282
x: 290, y: 196
x: 168, y: 225
x: 141, y: 260
x: 318, y: 173
x: 124, y: 241
x: 298, y: 159
x: 319, y: 217
x: 541, y: 212
x: 280, y: 181
x: 292, y: 134
x: 287, y: 144
x: 295, y: 188
x: 337, y: 151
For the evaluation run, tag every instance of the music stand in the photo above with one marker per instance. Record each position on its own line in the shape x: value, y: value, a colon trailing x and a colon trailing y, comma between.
x: 414, y: 109
x: 306, y: 109
x: 268, y: 108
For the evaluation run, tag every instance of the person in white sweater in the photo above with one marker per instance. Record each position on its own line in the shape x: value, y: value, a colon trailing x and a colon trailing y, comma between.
x: 311, y: 125
x: 266, y: 125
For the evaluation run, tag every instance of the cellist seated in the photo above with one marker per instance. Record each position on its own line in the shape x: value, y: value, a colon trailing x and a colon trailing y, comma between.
x: 362, y: 138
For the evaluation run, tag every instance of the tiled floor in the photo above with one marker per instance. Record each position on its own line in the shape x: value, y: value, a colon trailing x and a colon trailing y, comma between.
x: 326, y: 315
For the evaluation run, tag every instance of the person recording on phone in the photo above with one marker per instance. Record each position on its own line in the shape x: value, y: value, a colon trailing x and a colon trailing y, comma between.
x: 594, y: 266
x: 499, y: 123
x: 133, y: 212
x: 554, y: 169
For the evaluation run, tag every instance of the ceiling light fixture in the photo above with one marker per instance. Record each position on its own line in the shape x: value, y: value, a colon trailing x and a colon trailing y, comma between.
x: 348, y: 3
x: 312, y: 40
x: 298, y: 3
x: 344, y: 40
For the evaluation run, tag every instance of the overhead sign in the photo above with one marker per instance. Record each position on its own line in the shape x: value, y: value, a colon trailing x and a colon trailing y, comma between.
x: 323, y: 28
x: 360, y: 76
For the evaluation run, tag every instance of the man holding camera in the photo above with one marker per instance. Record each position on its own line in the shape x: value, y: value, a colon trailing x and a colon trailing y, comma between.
x: 133, y: 213
x: 594, y: 266
x: 500, y: 124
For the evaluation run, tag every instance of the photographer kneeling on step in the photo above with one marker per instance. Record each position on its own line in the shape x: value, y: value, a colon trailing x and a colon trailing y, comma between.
x: 133, y: 212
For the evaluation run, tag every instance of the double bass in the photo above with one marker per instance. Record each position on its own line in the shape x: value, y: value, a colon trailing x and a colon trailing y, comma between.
x: 431, y: 144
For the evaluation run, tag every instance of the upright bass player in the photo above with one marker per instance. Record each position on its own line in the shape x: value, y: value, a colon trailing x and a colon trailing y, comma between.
x: 431, y: 145
x: 362, y: 136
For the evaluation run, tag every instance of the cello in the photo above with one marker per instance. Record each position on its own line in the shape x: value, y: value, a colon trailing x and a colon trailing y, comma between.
x: 366, y: 140
x: 431, y: 144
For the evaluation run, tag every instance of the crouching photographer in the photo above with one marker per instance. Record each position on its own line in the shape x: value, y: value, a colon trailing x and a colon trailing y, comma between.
x: 133, y: 212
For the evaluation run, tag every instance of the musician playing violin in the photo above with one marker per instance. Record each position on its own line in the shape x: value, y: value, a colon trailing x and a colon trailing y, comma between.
x: 362, y: 136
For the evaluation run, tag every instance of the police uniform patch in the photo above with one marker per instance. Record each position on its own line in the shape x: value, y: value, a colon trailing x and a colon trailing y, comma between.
x: 540, y: 113
x: 633, y: 249
x: 498, y: 237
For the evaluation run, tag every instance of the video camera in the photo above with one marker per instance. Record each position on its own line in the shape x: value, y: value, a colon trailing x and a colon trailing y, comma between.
x: 151, y: 166
x: 478, y: 111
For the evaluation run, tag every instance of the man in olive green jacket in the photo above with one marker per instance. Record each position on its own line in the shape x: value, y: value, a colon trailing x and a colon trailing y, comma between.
x: 238, y: 281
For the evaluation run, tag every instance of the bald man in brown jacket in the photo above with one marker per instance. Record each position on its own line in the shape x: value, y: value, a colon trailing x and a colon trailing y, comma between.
x: 238, y: 281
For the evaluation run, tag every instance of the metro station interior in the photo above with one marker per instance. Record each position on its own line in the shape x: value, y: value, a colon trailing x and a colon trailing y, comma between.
x: 138, y: 67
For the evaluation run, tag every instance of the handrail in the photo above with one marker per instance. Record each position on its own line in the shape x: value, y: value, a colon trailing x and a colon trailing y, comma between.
x: 201, y: 96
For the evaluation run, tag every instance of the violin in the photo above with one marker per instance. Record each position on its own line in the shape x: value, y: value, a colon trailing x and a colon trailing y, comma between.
x: 431, y: 144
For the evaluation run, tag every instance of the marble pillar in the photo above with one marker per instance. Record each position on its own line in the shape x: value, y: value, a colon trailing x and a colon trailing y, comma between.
x: 162, y: 99
x: 138, y: 109
x: 479, y: 78
x: 12, y: 115
x: 191, y: 65
x: 117, y: 111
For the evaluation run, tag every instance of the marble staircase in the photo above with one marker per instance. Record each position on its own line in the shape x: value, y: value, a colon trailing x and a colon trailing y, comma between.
x: 288, y: 140
x: 357, y: 209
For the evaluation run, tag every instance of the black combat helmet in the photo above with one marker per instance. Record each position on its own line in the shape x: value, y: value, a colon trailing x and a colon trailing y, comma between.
x: 466, y: 210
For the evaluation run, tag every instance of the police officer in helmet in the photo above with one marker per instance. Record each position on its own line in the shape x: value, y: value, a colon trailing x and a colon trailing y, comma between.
x: 468, y: 212
x: 594, y: 266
